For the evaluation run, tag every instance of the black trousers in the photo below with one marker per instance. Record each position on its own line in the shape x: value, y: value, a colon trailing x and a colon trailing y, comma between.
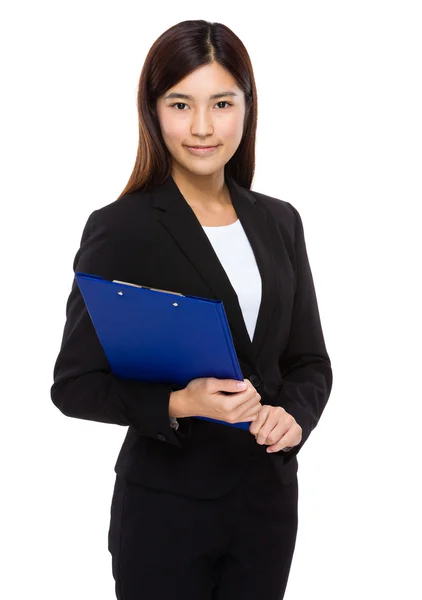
x: 238, y: 546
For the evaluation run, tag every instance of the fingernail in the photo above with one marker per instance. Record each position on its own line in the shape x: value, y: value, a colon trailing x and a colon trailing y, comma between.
x: 241, y: 385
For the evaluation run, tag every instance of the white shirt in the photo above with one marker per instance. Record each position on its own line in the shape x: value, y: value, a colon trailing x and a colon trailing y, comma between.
x: 234, y: 251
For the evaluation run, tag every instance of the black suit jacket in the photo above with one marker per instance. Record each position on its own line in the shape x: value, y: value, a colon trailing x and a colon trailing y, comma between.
x: 155, y: 239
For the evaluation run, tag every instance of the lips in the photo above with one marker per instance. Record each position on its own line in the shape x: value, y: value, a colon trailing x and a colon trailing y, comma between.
x: 201, y: 150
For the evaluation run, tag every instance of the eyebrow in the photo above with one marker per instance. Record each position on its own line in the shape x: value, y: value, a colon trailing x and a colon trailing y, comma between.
x: 188, y: 97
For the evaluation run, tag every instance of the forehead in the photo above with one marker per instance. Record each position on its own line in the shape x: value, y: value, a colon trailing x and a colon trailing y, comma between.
x: 205, y: 81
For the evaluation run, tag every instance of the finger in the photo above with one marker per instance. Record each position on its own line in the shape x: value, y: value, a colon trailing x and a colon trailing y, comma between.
x: 270, y: 423
x: 248, y: 417
x: 276, y: 434
x: 280, y: 445
x: 252, y: 413
x: 262, y: 416
x: 229, y: 386
x: 286, y: 442
x: 260, y: 420
x: 271, y: 431
x: 248, y: 408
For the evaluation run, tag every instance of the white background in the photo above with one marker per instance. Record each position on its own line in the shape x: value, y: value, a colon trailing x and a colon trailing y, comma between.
x: 339, y: 137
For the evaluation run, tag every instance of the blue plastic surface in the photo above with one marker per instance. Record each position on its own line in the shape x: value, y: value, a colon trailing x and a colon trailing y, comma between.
x: 158, y: 336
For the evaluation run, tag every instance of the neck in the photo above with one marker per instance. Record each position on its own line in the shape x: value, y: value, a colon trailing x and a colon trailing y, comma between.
x: 202, y: 190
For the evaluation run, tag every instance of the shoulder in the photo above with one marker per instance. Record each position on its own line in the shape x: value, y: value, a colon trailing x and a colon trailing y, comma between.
x: 131, y: 210
x: 284, y: 213
x: 286, y: 218
x: 111, y: 235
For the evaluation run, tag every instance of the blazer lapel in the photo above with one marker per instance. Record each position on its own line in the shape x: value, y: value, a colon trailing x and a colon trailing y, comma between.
x: 182, y: 224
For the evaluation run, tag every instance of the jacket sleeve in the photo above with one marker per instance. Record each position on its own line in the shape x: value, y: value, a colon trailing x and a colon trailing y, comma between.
x: 305, y: 365
x: 84, y: 386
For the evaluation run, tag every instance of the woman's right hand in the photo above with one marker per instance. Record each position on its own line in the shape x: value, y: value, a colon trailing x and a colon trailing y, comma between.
x: 205, y: 398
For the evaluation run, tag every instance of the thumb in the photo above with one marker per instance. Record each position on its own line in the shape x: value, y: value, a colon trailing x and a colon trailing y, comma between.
x: 241, y: 385
x: 232, y: 385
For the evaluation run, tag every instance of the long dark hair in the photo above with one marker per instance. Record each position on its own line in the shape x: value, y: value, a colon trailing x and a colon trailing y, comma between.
x: 174, y: 55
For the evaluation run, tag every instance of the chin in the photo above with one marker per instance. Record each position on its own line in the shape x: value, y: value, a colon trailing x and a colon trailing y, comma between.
x: 198, y: 168
x: 209, y: 170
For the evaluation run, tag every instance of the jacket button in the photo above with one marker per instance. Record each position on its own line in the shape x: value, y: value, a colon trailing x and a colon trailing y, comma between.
x: 255, y: 380
x: 161, y: 437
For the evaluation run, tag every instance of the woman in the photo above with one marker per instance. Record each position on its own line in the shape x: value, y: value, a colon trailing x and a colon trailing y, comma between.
x: 202, y: 510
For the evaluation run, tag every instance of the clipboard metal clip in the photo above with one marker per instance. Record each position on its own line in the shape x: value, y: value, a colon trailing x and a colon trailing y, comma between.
x: 147, y: 288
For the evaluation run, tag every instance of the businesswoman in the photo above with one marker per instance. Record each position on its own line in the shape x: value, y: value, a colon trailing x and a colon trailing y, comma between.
x: 202, y: 510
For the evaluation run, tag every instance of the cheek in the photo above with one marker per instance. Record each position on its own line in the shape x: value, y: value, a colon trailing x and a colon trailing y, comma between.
x: 173, y: 130
x: 231, y: 130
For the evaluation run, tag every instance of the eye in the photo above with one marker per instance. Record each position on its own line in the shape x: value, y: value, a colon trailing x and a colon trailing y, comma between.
x: 184, y: 104
x: 225, y: 102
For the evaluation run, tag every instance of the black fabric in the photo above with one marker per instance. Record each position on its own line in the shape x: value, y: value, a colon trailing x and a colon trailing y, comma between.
x: 154, y: 238
x: 239, y: 545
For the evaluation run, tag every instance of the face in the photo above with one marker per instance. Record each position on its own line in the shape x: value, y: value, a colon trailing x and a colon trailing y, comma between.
x: 192, y: 117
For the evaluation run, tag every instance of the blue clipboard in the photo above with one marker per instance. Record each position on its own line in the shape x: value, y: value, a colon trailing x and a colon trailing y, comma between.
x: 160, y: 336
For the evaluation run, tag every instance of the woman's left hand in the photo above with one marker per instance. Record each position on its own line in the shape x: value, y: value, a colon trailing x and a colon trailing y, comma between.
x: 276, y: 428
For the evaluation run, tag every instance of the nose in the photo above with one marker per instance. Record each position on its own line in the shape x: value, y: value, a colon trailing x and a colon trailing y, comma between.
x: 201, y: 124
